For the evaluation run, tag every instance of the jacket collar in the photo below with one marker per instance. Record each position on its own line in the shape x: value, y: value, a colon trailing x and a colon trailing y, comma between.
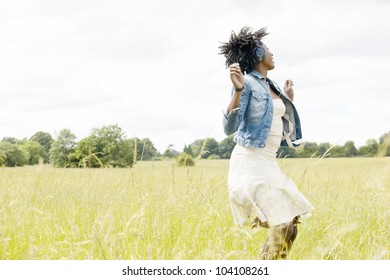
x: 257, y: 74
x: 271, y: 83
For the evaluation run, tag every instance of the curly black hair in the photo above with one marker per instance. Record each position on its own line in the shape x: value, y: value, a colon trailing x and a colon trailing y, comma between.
x: 240, y: 48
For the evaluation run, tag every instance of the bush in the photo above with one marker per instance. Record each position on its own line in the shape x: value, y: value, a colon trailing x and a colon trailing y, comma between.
x: 214, y: 157
x: 185, y: 159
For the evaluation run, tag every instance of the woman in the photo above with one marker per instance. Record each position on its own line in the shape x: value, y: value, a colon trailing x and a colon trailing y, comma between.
x: 263, y: 117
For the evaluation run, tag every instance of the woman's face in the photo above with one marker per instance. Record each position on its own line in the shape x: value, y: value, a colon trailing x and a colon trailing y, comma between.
x: 268, y: 60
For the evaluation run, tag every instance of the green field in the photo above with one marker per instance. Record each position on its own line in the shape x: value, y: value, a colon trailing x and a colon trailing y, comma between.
x: 159, y: 211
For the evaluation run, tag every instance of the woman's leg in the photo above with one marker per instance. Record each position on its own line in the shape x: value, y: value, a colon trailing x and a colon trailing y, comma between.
x: 294, y: 233
x: 279, y: 241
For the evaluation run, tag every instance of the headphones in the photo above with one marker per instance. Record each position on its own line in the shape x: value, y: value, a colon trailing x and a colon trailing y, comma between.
x: 258, y: 53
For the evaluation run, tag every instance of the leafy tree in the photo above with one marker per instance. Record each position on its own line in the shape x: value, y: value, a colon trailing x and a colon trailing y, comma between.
x: 210, y: 147
x: 196, y: 147
x: 127, y: 152
x: 350, y: 149
x: 105, y: 146
x: 385, y: 138
x: 11, y: 140
x: 205, y: 147
x: 310, y: 149
x: 63, y: 148
x: 145, y: 149
x: 13, y: 155
x: 170, y: 152
x: 324, y: 148
x: 109, y: 139
x: 45, y: 139
x: 370, y: 149
x: 337, y: 151
x: 34, y: 149
x: 188, y: 150
x: 226, y: 146
x: 87, y: 153
x: 384, y: 145
x: 3, y: 157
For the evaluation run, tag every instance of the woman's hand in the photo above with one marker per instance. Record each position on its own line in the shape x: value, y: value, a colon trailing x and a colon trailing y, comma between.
x: 236, y: 76
x: 288, y: 89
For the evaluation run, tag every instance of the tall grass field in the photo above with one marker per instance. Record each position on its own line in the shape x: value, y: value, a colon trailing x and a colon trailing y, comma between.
x: 157, y: 210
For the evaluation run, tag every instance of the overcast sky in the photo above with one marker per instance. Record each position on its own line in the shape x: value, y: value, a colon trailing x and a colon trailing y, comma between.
x: 153, y: 68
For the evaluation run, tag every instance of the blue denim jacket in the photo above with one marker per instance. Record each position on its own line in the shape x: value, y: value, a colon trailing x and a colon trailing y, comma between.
x: 253, y: 118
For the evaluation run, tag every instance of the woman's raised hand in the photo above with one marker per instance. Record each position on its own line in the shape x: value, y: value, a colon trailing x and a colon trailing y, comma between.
x: 288, y: 89
x: 236, y: 76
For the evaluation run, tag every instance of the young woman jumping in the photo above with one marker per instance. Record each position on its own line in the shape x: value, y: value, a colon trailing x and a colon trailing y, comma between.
x: 263, y: 118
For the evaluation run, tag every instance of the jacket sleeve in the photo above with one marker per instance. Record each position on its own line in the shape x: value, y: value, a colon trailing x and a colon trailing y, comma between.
x: 232, y: 120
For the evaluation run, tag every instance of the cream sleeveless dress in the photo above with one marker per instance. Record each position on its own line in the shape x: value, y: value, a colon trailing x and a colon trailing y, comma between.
x: 258, y: 187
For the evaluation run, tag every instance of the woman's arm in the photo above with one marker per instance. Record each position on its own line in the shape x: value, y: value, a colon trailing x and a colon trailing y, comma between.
x: 239, y: 102
x: 238, y: 81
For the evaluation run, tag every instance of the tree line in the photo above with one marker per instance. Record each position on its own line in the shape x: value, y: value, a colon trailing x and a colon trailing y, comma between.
x: 104, y: 147
x: 210, y: 148
x: 109, y: 147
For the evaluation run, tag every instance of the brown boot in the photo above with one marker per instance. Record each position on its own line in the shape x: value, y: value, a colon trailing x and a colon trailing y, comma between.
x: 294, y: 234
x: 279, y: 241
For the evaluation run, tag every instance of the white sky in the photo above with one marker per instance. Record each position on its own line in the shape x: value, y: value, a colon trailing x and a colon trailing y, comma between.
x: 153, y: 68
